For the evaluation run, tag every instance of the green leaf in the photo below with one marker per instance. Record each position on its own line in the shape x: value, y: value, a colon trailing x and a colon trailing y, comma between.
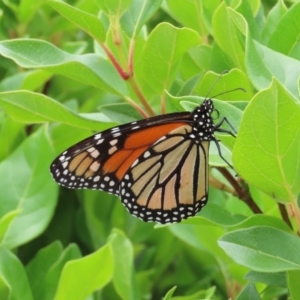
x: 123, y: 277
x: 38, y: 268
x: 249, y: 293
x: 11, y: 135
x: 5, y: 291
x: 275, y: 279
x: 287, y: 41
x: 90, y: 69
x: 170, y: 293
x: 255, y: 248
x: 215, y: 215
x: 87, y: 22
x: 273, y: 18
x: 202, y: 237
x: 120, y: 112
x: 48, y: 286
x: 264, y: 154
x: 6, y: 220
x: 249, y: 20
x: 138, y: 13
x: 156, y: 69
x: 95, y: 272
x: 218, y: 60
x: 14, y: 279
x: 29, y: 80
x: 27, y: 9
x: 222, y: 86
x: 261, y: 67
x: 293, y: 284
x: 223, y: 24
x: 188, y: 13
x: 28, y: 107
x: 34, y: 192
x: 117, y: 7
x: 193, y: 63
x: 202, y: 294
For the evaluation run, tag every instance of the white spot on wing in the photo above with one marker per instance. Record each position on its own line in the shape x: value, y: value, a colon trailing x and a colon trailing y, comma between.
x: 112, y: 150
x: 146, y: 154
x: 113, y: 142
x: 65, y: 164
x: 97, y: 178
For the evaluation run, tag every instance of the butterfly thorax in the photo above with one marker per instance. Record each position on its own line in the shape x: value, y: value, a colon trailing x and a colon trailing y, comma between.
x: 203, y: 125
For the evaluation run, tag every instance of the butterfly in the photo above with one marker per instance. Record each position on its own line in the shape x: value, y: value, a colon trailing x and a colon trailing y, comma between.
x: 158, y: 166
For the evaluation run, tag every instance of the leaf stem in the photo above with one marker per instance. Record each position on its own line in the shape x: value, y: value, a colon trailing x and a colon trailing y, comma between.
x: 284, y: 215
x: 130, y: 57
x: 296, y: 211
x: 133, y: 104
x: 242, y: 192
x: 130, y: 79
x: 114, y: 61
x: 217, y: 184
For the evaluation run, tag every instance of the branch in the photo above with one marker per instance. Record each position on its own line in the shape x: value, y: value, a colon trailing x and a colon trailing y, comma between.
x: 284, y: 215
x: 243, y: 193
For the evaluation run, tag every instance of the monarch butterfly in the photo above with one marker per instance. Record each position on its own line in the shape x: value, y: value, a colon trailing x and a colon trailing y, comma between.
x: 157, y: 166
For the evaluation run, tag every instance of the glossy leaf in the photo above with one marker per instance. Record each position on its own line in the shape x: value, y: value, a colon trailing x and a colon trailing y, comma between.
x: 169, y: 294
x: 256, y: 248
x: 89, y: 23
x: 11, y: 135
x: 222, y: 25
x: 5, y: 291
x: 29, y: 80
x: 261, y: 67
x: 249, y: 293
x: 287, y: 41
x: 264, y: 154
x: 275, y: 279
x: 234, y: 80
x: 138, y: 13
x: 273, y: 18
x: 28, y: 107
x: 27, y: 9
x: 120, y: 112
x: 34, y: 192
x: 94, y: 70
x: 159, y: 60
x: 188, y: 13
x: 14, y: 280
x: 6, y: 220
x: 123, y: 277
x: 293, y: 283
x: 117, y: 7
x: 38, y: 268
x: 51, y: 273
x: 215, y: 215
x: 96, y: 271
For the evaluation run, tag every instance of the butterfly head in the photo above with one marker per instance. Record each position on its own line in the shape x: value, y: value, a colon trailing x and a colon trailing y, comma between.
x: 203, y: 121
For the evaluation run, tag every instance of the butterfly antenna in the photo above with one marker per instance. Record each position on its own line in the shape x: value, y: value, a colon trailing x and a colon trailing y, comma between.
x: 226, y: 92
x: 213, y: 85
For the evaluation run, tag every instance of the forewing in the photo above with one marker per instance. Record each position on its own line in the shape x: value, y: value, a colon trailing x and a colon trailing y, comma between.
x: 101, y: 161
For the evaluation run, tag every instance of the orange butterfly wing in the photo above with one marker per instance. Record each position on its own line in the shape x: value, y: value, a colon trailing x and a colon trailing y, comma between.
x: 100, y: 161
